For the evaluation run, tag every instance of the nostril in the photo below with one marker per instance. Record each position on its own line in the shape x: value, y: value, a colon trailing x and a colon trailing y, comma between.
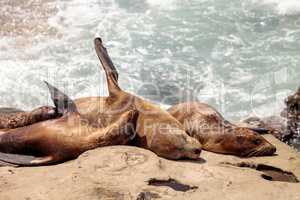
x: 197, y: 151
x: 273, y: 150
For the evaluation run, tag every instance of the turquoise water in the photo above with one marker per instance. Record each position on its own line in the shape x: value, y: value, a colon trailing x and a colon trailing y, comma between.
x: 241, y: 56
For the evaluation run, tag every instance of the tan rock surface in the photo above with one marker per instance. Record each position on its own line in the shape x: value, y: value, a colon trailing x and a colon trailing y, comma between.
x: 122, y: 172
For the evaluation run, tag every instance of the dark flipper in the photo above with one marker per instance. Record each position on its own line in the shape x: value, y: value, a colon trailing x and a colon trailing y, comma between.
x: 108, y: 66
x: 61, y: 101
x: 105, y: 59
x: 23, y: 160
x: 260, y: 130
x: 6, y: 164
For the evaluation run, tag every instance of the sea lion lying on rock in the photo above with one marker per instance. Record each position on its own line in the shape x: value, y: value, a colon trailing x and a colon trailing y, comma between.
x: 10, y: 118
x: 65, y: 138
x: 218, y: 135
x: 285, y: 127
x: 156, y: 129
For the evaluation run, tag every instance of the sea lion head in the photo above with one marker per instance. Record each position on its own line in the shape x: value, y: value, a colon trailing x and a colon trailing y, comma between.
x: 175, y: 144
x: 192, y: 149
x: 246, y: 143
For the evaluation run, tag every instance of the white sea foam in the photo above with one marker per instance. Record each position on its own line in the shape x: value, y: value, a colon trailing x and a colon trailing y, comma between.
x: 197, y: 50
x: 165, y: 4
x: 282, y: 7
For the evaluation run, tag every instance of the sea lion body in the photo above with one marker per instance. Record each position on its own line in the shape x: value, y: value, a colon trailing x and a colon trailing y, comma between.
x: 218, y: 135
x: 10, y: 118
x: 61, y: 139
x: 156, y: 129
x: 64, y: 138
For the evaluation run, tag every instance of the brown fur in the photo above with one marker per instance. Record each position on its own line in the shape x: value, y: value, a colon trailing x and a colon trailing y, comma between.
x: 10, y: 120
x: 218, y: 135
x: 65, y: 138
x: 156, y: 129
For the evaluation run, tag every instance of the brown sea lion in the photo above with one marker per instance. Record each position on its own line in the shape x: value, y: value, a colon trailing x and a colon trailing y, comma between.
x: 156, y: 129
x: 218, y: 135
x: 285, y: 127
x: 61, y: 139
x: 274, y: 125
x: 12, y: 119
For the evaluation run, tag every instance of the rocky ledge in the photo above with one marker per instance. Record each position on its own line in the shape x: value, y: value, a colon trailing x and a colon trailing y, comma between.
x: 124, y: 172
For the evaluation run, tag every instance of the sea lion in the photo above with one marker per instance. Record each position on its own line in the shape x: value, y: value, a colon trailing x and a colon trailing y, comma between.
x: 218, y: 135
x: 12, y: 119
x: 275, y: 125
x: 61, y: 139
x: 156, y: 129
x: 285, y: 127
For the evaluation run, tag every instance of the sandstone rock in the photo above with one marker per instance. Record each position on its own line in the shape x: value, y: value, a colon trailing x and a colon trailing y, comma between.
x: 123, y: 172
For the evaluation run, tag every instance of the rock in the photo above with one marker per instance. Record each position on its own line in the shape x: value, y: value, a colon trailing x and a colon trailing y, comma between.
x: 124, y: 172
x: 285, y: 127
x: 292, y: 114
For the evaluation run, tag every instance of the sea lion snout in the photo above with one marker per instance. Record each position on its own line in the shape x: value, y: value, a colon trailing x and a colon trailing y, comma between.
x: 266, y: 150
x: 192, y: 149
x: 271, y: 150
x: 254, y: 144
x: 192, y: 152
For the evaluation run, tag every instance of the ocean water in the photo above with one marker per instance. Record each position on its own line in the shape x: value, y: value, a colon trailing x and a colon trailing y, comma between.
x: 241, y: 56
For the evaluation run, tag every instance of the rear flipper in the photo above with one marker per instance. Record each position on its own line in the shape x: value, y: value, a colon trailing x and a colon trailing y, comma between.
x: 24, y: 160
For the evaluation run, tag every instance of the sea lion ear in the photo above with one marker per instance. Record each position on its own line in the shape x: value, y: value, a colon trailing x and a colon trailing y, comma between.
x: 63, y: 104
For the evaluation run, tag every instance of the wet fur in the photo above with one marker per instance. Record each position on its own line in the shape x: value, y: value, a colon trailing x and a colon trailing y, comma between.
x: 61, y: 139
x: 170, y: 141
x: 218, y: 135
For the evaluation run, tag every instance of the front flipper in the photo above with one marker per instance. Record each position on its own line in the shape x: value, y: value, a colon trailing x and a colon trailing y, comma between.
x: 24, y: 160
x: 261, y: 131
x: 118, y: 133
x: 62, y: 102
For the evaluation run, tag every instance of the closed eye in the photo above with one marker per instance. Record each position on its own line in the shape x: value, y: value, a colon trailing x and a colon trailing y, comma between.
x: 257, y: 142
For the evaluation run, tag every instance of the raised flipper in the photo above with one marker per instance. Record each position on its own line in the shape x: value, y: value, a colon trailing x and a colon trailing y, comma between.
x: 105, y: 59
x: 7, y: 159
x: 61, y: 101
x: 108, y: 66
